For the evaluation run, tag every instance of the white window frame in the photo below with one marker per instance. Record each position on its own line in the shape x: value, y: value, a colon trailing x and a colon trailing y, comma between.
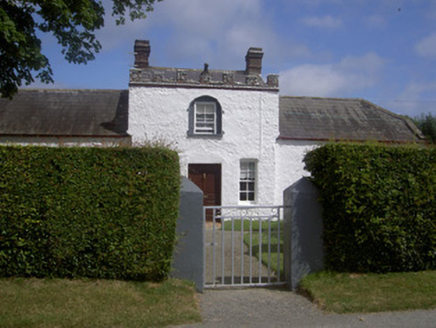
x: 248, y: 182
x: 209, y: 127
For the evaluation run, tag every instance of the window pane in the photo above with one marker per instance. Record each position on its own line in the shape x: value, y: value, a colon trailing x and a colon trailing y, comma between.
x: 205, y: 118
x: 247, y: 183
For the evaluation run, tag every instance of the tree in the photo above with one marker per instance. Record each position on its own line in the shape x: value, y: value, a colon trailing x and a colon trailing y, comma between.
x: 72, y: 22
x: 427, y: 125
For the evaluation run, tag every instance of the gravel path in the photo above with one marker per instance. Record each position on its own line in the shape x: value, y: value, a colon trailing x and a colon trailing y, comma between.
x: 261, y: 307
x: 278, y: 307
x: 242, y: 263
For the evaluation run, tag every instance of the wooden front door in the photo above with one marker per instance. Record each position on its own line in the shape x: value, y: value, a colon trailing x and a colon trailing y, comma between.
x: 208, y: 178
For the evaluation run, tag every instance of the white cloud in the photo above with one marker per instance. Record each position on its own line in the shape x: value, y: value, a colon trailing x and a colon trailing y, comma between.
x: 208, y: 18
x: 369, y: 64
x: 427, y: 46
x: 187, y: 30
x: 416, y: 98
x: 351, y: 74
x: 190, y: 32
x: 218, y: 32
x: 322, y: 22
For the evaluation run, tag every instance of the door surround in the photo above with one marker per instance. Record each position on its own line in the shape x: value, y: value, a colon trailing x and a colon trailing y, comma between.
x: 208, y: 178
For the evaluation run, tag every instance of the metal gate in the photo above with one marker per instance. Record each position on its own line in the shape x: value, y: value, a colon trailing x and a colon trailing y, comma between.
x: 243, y: 246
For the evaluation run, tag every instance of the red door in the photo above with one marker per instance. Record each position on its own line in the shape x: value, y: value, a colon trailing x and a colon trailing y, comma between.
x: 208, y: 178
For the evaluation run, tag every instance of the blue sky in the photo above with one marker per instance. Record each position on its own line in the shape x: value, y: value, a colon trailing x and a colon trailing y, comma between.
x: 380, y: 50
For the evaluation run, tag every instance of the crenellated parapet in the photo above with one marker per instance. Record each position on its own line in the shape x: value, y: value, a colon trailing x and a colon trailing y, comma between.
x: 250, y: 78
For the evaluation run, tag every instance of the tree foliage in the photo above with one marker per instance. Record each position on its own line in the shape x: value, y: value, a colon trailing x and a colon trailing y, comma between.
x: 427, y: 124
x: 72, y: 22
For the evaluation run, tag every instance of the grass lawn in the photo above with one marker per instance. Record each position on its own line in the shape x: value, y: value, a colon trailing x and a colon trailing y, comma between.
x: 96, y: 303
x: 347, y: 293
x: 254, y: 223
x: 256, y: 239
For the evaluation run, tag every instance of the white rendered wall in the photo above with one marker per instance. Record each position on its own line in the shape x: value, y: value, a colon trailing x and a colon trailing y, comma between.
x: 289, y: 163
x: 249, y: 124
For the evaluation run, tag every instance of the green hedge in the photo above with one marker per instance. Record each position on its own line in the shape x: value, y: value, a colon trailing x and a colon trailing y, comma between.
x: 88, y: 212
x: 379, y: 206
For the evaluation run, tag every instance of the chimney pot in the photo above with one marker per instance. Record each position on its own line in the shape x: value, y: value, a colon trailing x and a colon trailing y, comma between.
x: 273, y: 80
x: 142, y: 53
x: 253, y: 60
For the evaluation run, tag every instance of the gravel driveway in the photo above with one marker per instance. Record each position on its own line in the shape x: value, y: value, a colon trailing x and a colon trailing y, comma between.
x: 279, y: 307
x: 272, y: 307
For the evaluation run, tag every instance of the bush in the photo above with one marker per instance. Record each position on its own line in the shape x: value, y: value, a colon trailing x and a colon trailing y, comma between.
x: 88, y: 212
x: 379, y: 206
x: 427, y: 124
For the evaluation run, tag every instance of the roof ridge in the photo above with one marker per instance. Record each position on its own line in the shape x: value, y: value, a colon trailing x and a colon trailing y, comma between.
x: 328, y: 98
x: 70, y: 89
x: 313, y: 118
x: 410, y: 125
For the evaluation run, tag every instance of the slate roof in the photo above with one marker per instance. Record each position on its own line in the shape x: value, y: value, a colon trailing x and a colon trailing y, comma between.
x: 78, y: 113
x: 309, y: 118
x: 104, y: 113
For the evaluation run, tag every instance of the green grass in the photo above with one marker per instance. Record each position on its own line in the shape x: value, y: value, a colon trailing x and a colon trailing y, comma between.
x: 348, y: 293
x: 256, y: 238
x: 274, y: 248
x: 96, y: 303
x: 255, y: 225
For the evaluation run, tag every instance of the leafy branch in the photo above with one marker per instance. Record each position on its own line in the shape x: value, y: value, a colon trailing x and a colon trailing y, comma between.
x: 71, y: 22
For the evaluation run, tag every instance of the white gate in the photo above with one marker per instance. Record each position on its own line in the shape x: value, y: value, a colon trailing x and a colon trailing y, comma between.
x: 243, y: 246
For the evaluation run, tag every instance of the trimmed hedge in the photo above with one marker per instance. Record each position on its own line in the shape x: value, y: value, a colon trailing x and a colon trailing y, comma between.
x: 88, y: 212
x: 379, y: 206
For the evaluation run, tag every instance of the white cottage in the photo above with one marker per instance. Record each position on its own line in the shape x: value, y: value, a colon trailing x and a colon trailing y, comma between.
x: 224, y: 124
x: 238, y: 140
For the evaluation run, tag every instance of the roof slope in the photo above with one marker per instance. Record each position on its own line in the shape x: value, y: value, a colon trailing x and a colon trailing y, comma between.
x: 308, y: 118
x: 79, y: 113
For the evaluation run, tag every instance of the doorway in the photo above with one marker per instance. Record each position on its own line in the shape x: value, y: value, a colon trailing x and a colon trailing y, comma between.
x: 207, y: 177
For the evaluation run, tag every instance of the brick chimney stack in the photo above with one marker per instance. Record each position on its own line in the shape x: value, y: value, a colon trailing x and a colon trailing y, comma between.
x: 142, y: 52
x: 254, y: 61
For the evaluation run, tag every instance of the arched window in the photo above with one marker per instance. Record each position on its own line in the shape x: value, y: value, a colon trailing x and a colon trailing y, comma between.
x: 205, y: 117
